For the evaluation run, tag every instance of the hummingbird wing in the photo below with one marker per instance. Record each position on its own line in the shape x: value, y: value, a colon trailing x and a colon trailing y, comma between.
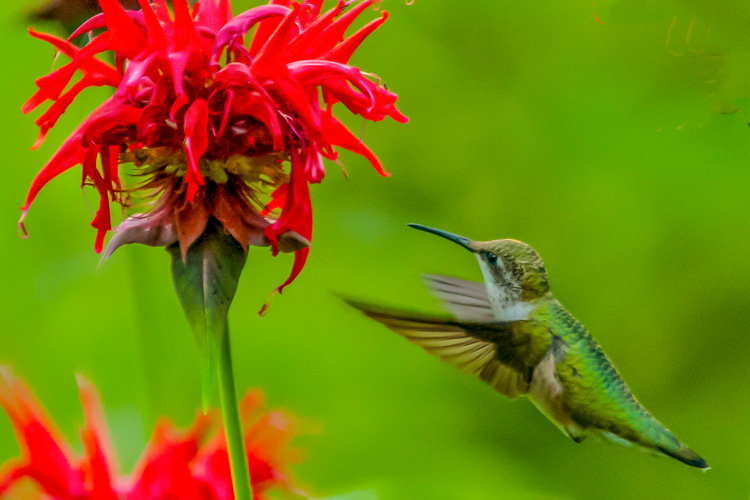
x: 466, y: 300
x: 484, y: 349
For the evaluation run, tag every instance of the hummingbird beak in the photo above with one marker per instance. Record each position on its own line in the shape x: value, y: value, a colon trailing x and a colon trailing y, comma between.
x: 464, y: 242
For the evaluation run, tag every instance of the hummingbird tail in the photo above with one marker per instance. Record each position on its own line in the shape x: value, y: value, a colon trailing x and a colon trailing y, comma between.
x: 664, y: 442
x: 684, y: 455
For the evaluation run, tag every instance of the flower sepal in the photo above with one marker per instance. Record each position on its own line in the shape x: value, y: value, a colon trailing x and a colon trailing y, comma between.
x: 205, y: 280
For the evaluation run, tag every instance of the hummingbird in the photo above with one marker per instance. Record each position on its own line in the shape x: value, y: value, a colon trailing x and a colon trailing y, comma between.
x: 515, y: 335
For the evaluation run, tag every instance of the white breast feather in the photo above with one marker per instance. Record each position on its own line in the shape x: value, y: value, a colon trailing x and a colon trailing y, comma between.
x: 505, y: 307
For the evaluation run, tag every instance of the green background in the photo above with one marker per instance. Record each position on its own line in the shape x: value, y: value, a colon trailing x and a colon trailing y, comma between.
x: 608, y: 147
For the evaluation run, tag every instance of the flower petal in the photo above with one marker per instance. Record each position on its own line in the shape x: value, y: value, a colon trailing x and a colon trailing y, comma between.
x: 214, y: 14
x: 46, y: 456
x: 296, y: 216
x: 300, y: 46
x: 239, y: 26
x: 335, y: 33
x: 100, y: 457
x: 196, y: 143
x: 338, y: 135
x: 98, y: 22
x: 125, y: 35
x: 164, y: 469
x: 70, y: 154
x: 343, y: 51
x: 266, y: 27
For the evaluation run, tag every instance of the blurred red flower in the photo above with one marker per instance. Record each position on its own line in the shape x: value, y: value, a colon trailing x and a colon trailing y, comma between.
x: 208, y: 121
x: 187, y: 465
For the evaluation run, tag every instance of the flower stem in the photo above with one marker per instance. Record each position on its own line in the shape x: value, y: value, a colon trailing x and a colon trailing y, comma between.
x: 232, y: 428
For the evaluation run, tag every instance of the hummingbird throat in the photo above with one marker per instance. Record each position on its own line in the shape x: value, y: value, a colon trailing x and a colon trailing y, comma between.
x: 505, y: 298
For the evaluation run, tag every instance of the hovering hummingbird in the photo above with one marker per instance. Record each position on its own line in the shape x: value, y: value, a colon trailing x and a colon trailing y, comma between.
x: 514, y: 334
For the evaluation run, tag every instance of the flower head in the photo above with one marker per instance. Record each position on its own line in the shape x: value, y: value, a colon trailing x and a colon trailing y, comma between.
x: 210, y: 122
x: 189, y: 465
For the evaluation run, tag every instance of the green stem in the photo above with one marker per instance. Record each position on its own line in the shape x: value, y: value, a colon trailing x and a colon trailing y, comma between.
x: 232, y: 428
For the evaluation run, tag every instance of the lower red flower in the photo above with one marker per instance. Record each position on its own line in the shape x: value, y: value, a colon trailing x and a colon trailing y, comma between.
x: 187, y: 465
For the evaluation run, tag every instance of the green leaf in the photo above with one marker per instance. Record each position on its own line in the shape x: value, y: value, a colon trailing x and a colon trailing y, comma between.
x: 206, y: 281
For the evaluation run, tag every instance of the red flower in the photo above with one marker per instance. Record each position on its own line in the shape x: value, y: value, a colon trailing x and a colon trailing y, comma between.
x: 210, y: 121
x: 175, y: 464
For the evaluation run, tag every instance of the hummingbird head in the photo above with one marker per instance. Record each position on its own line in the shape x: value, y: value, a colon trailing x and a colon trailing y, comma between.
x: 510, y: 267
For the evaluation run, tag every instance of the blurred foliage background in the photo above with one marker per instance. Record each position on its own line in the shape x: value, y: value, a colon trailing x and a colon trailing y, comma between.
x: 612, y: 148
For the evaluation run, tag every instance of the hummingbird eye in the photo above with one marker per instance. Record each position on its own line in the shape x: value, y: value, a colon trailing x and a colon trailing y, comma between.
x: 491, y: 258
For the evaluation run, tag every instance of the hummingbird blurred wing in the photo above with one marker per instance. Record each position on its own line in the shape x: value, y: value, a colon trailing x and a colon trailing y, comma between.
x: 466, y: 300
x: 483, y: 349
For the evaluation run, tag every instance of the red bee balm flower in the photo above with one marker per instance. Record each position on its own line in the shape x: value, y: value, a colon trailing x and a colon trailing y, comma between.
x: 210, y: 122
x: 187, y: 465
